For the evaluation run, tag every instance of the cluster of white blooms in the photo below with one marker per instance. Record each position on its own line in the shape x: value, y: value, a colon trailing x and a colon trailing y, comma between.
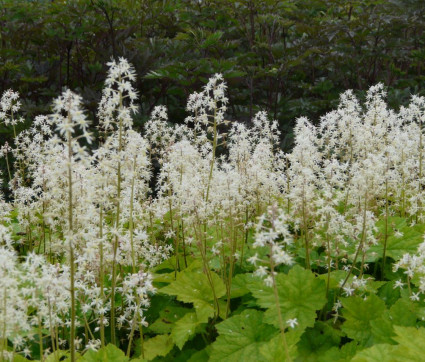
x: 68, y: 116
x: 9, y: 106
x: 272, y: 233
x: 335, y: 182
x: 135, y: 290
x: 34, y: 295
x: 5, y: 208
x: 414, y: 267
x: 355, y: 284
x: 357, y: 165
x: 210, y: 103
x: 90, y: 220
x: 14, y: 320
x: 117, y: 103
x: 196, y: 189
x: 65, y: 203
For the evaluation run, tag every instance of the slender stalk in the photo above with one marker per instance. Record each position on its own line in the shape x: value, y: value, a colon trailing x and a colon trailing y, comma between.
x: 71, y: 247
x: 142, y: 342
x: 230, y: 277
x: 288, y: 187
x: 245, y: 236
x: 184, y: 244
x: 40, y: 339
x: 420, y: 171
x: 409, y: 286
x: 328, y: 252
x: 130, y: 337
x: 176, y: 251
x: 8, y: 167
x: 233, y: 249
x: 117, y: 222
x: 204, y: 248
x: 101, y: 277
x: 57, y: 336
x: 213, y: 152
x: 359, y: 247
x: 207, y: 271
x: 305, y: 232
x: 4, y: 340
x: 403, y: 191
x: 52, y: 333
x: 279, y: 313
x: 386, y: 229
x: 131, y: 222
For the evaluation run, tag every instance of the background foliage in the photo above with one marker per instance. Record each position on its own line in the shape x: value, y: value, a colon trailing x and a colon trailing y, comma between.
x: 290, y: 57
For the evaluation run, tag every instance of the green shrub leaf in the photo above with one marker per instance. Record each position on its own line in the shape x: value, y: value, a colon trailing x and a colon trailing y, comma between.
x: 300, y: 293
x: 110, y: 353
x: 185, y: 328
x: 159, y: 345
x: 376, y: 353
x: 360, y: 315
x: 192, y: 286
x: 241, y: 337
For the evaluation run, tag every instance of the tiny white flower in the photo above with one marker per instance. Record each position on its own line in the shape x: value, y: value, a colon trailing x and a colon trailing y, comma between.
x: 398, y: 284
x: 292, y: 322
x: 415, y: 297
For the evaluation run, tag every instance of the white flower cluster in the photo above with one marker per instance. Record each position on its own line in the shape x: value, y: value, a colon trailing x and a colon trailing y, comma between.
x: 117, y: 103
x: 65, y: 199
x: 218, y: 185
x: 272, y: 234
x: 414, y: 267
x: 34, y: 295
x: 9, y: 107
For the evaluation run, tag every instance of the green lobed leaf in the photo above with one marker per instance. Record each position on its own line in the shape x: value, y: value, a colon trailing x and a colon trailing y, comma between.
x: 110, y: 353
x: 239, y: 285
x: 389, y: 294
x: 300, y: 294
x: 343, y: 354
x: 185, y: 328
x: 360, y: 316
x: 58, y: 355
x: 167, y: 319
x: 376, y: 353
x: 156, y: 346
x: 382, y: 329
x: 411, y: 343
x: 397, y: 246
x: 316, y: 341
x: 274, y: 350
x: 241, y: 337
x: 404, y: 313
x: 192, y: 286
x: 200, y: 356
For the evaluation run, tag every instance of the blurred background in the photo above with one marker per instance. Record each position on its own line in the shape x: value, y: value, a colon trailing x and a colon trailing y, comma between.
x: 291, y: 58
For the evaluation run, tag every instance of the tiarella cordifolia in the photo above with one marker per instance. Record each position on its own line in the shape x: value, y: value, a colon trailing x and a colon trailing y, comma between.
x: 9, y: 106
x: 305, y: 161
x: 91, y: 228
x: 123, y: 165
x: 14, y: 320
x: 272, y: 233
x: 413, y: 266
x: 117, y: 104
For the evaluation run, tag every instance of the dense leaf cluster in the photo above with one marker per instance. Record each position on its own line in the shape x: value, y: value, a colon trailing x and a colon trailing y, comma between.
x: 289, y: 58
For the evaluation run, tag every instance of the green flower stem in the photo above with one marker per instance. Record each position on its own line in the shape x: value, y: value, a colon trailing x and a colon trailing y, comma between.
x: 117, y: 221
x: 279, y: 313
